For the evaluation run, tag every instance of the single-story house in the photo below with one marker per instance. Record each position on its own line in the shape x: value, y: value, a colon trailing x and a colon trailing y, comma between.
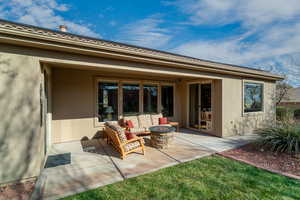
x: 57, y: 87
x: 291, y: 99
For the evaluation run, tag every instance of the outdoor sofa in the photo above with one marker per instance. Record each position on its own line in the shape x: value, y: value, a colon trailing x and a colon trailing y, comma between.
x: 142, y: 122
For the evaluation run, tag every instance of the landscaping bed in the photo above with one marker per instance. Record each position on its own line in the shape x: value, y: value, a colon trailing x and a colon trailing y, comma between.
x: 18, y: 191
x: 260, y: 157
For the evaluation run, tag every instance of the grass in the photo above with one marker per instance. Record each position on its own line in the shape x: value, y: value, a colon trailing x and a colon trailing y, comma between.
x: 213, y: 177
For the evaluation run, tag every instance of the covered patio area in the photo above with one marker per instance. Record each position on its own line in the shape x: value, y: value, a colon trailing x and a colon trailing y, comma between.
x: 74, y: 167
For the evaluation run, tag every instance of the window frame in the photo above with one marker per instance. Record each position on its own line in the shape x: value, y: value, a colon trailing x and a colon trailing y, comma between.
x: 122, y: 95
x: 243, y: 98
x: 141, y: 83
x: 174, y: 99
x: 97, y: 123
x: 158, y: 95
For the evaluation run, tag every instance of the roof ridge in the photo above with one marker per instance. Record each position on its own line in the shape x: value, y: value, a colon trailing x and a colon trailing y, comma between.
x: 108, y: 43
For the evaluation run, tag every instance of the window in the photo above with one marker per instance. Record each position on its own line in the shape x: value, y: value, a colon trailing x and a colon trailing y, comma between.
x: 167, y: 100
x: 107, y: 101
x: 131, y: 98
x: 253, y: 97
x: 150, y: 99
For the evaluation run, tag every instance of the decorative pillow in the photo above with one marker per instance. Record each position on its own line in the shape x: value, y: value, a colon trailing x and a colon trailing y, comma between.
x: 134, y: 120
x: 129, y: 124
x: 163, y: 120
x: 155, y: 119
x: 129, y: 135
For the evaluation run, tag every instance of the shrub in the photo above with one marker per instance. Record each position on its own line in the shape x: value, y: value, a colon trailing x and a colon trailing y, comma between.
x: 284, y: 114
x: 297, y: 114
x: 282, y: 138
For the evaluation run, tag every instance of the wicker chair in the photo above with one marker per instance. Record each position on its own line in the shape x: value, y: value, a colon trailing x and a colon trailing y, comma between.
x: 117, y: 138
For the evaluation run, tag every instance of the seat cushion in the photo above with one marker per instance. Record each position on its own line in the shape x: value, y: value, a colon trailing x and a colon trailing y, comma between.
x: 133, y: 119
x: 155, y: 119
x: 145, y: 120
x: 109, y: 123
x: 137, y: 130
x: 132, y: 145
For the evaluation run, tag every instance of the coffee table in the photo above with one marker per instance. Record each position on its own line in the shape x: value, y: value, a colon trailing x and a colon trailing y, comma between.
x: 161, y: 136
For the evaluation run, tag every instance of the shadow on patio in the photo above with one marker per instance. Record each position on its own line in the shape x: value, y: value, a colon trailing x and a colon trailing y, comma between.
x: 89, y: 164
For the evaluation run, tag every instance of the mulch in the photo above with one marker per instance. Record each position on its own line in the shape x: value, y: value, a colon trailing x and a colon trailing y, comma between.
x: 18, y: 191
x: 259, y: 157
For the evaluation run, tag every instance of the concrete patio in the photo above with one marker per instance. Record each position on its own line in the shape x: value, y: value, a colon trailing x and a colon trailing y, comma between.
x: 79, y: 166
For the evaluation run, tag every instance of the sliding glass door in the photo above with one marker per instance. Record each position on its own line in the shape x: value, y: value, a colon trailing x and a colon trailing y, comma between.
x: 194, y: 114
x: 200, y: 106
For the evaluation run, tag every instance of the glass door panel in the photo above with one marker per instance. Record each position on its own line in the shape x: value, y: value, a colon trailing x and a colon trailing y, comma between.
x: 194, y: 106
x: 200, y: 107
x: 206, y: 111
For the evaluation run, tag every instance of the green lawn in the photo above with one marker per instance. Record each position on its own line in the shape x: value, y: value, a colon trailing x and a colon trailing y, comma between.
x: 212, y: 177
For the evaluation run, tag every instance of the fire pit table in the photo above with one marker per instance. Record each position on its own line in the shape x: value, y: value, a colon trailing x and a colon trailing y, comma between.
x: 161, y: 136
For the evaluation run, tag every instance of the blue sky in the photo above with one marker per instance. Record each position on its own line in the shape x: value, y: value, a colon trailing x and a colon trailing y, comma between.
x: 262, y: 34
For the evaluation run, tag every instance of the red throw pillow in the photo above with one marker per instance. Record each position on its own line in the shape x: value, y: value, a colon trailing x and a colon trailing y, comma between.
x: 129, y: 135
x: 129, y: 124
x: 163, y: 120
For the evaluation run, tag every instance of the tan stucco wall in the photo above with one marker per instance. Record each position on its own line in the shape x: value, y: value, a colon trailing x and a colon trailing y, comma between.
x: 74, y: 103
x: 234, y: 120
x: 217, y: 108
x: 21, y: 135
x: 227, y: 106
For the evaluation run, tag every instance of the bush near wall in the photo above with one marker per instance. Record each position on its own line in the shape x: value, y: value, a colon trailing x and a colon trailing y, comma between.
x: 297, y: 114
x: 284, y: 113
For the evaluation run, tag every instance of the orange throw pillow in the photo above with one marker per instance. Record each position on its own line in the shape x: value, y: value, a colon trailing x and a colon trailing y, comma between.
x: 163, y: 120
x: 129, y: 124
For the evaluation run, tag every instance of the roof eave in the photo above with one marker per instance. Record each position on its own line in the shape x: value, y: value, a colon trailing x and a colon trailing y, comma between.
x: 17, y: 35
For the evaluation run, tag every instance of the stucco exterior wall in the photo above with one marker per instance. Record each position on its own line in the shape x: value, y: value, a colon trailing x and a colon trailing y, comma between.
x: 74, y: 96
x: 227, y: 105
x: 21, y: 134
x: 235, y: 122
x: 72, y: 105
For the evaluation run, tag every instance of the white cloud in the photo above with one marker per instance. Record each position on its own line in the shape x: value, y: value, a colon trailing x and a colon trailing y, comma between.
x: 146, y: 32
x: 249, y: 13
x: 272, y: 51
x: 270, y: 40
x: 44, y: 13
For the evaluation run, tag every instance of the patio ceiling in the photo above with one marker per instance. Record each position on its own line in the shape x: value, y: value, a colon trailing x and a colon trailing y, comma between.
x: 137, y: 71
